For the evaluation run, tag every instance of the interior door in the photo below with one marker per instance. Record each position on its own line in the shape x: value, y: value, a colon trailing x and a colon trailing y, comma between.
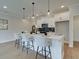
x: 62, y: 27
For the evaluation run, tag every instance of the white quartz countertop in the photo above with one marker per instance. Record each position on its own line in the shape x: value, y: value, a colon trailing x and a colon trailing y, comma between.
x: 58, y: 37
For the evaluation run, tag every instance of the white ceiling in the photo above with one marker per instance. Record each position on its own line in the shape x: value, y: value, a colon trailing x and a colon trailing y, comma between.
x: 15, y: 6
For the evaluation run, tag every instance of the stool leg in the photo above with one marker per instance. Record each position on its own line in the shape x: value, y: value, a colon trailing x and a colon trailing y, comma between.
x: 15, y: 42
x: 27, y: 47
x: 33, y: 45
x: 19, y: 40
x: 45, y: 51
x: 42, y: 50
x: 37, y: 52
x: 23, y: 46
x: 50, y: 52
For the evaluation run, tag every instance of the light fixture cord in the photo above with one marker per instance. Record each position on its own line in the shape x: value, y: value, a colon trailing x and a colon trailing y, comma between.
x: 62, y: 2
x: 33, y: 7
x: 23, y: 13
x: 48, y: 5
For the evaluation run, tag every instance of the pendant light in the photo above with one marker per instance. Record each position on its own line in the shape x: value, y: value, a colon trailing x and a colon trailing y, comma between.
x: 37, y: 8
x: 48, y: 7
x: 23, y: 15
x: 33, y: 16
x: 62, y: 4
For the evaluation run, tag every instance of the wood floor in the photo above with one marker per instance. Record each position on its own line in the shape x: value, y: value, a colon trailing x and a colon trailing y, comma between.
x: 71, y: 53
x: 8, y: 51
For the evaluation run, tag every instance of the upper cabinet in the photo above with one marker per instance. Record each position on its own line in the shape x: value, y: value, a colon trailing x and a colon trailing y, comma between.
x: 62, y: 16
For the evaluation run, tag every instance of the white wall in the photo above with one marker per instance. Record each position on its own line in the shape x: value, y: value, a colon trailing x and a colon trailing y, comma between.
x: 76, y: 28
x: 74, y: 9
x: 14, y: 25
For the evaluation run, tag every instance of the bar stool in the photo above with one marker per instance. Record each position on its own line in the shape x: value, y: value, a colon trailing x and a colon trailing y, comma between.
x: 18, y: 40
x: 42, y: 42
x: 26, y: 42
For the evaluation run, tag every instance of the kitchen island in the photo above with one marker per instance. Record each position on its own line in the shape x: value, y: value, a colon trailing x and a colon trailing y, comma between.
x: 57, y: 47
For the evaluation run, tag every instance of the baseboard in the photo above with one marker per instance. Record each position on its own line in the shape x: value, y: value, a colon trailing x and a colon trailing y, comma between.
x: 76, y: 41
x: 6, y: 41
x: 63, y: 55
x: 66, y: 42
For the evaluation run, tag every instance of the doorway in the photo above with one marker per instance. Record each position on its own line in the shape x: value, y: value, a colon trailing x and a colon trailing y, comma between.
x: 62, y: 27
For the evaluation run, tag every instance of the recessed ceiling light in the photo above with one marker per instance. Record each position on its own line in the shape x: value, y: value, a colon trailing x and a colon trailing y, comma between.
x: 62, y: 6
x: 5, y: 7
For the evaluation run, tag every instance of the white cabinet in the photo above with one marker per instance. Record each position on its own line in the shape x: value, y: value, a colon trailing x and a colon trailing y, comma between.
x: 62, y: 16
